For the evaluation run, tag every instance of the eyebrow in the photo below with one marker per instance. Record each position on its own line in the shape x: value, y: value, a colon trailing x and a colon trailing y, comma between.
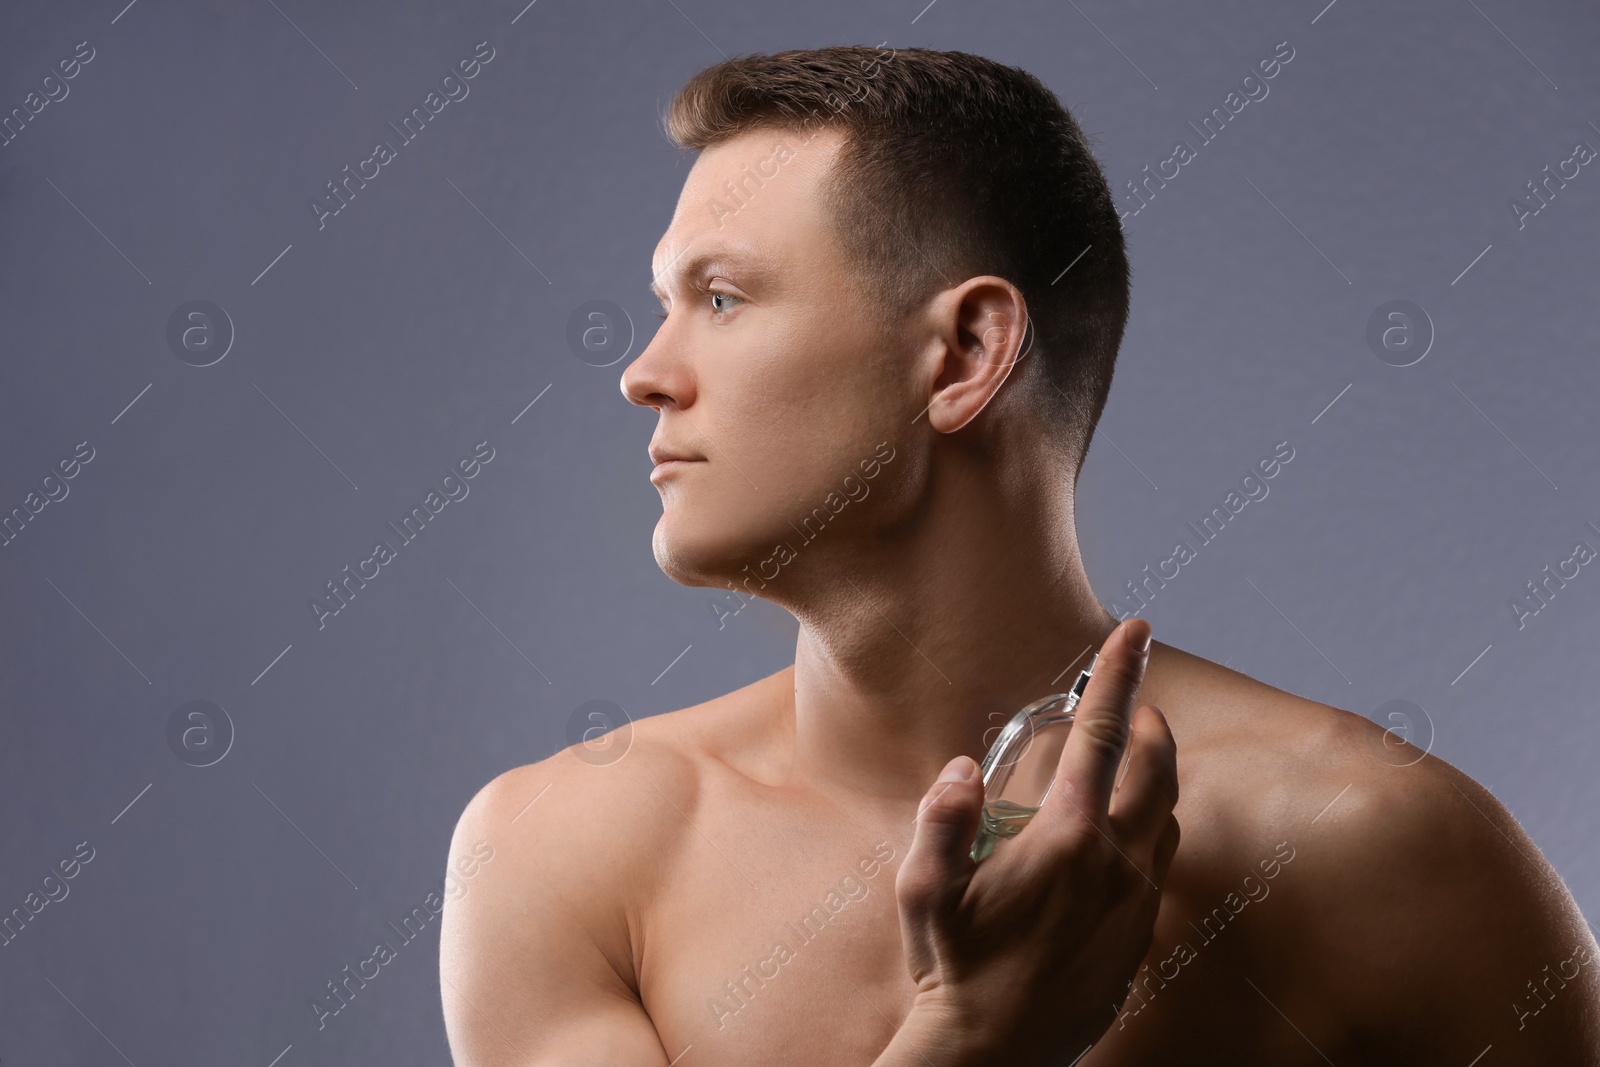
x: 719, y: 255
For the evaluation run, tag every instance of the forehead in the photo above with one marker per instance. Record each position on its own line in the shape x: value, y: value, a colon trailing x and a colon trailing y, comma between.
x: 752, y: 201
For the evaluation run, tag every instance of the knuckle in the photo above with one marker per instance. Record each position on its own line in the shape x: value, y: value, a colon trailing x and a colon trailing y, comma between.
x: 1109, y: 732
x: 1155, y: 753
x: 1073, y: 848
x: 914, y: 886
x: 1158, y: 734
x: 1129, y: 876
x: 1167, y: 846
x: 1121, y: 678
x: 943, y: 810
x: 1165, y: 781
x: 948, y: 803
x: 1090, y: 853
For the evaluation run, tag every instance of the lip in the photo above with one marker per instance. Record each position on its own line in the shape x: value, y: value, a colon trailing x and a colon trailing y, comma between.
x: 670, y: 466
x: 662, y: 455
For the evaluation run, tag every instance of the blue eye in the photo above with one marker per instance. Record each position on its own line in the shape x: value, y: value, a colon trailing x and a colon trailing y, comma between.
x: 715, y: 294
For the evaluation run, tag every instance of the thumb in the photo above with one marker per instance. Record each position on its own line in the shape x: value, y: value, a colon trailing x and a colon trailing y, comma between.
x: 938, y: 866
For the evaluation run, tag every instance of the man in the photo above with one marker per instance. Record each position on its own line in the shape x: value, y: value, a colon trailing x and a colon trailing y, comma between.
x: 894, y: 287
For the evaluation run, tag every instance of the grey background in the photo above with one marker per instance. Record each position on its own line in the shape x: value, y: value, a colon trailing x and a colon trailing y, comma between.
x: 429, y: 314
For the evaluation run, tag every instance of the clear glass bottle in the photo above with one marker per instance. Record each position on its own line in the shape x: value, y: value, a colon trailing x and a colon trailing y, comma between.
x: 1021, y: 765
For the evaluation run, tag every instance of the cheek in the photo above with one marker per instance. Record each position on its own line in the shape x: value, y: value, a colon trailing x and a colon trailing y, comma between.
x: 795, y: 405
x: 791, y: 362
x: 812, y: 382
x: 803, y: 429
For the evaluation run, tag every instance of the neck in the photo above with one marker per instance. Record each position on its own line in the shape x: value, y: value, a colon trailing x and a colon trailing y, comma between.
x: 916, y: 648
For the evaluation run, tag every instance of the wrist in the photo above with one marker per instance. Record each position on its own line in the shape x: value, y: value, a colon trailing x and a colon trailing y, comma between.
x: 940, y: 1031
x: 933, y: 1035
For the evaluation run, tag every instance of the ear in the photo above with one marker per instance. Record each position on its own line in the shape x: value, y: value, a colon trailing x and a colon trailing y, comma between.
x: 981, y: 328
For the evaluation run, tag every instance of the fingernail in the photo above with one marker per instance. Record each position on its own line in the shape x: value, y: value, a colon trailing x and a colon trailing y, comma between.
x: 957, y: 770
x: 1143, y: 643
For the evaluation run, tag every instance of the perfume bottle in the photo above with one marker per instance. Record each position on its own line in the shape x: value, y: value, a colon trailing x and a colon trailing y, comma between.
x: 1021, y: 764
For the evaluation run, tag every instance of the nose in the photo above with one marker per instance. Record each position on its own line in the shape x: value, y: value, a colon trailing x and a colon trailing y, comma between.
x: 657, y: 378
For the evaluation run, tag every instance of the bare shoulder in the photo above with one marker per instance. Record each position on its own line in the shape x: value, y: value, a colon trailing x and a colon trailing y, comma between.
x: 1256, y: 759
x: 593, y: 824
x: 1419, y: 912
x: 550, y: 866
x: 1443, y: 923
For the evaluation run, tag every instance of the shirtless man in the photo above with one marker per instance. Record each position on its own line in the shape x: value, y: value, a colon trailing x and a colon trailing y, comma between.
x: 883, y: 401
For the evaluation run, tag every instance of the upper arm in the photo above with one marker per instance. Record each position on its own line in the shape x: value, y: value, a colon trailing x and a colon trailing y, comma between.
x: 1457, y: 935
x: 532, y: 946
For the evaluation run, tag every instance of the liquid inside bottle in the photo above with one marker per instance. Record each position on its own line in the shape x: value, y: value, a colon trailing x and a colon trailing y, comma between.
x: 1020, y: 768
x: 1001, y: 819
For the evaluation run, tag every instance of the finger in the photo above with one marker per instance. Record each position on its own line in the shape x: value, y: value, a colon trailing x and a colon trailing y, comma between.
x: 1166, y: 848
x: 938, y: 865
x: 1148, y: 792
x: 1100, y: 727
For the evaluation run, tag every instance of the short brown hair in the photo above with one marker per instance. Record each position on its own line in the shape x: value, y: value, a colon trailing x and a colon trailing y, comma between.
x: 954, y: 166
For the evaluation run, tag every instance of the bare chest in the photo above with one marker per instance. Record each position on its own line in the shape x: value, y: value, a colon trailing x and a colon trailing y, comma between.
x: 773, y: 937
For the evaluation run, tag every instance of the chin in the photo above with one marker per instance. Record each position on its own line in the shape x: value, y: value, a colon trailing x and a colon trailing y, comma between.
x: 698, y: 553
